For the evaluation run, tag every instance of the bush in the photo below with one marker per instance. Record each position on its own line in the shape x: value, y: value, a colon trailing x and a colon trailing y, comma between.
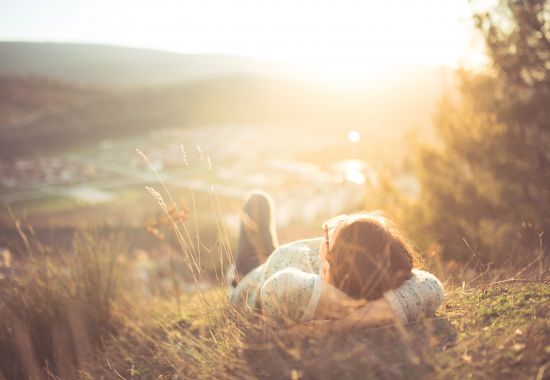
x: 486, y: 185
x: 55, y: 312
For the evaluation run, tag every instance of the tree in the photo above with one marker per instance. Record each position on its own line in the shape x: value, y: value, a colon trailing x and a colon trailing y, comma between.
x: 486, y: 186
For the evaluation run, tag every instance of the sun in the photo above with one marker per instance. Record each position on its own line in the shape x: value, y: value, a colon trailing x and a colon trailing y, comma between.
x: 354, y: 136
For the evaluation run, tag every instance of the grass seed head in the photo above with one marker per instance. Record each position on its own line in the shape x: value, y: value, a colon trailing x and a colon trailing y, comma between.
x: 199, y: 151
x: 184, y: 157
x: 155, y: 194
x: 142, y: 155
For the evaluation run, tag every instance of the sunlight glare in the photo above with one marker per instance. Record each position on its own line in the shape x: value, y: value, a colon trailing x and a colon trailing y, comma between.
x: 345, y: 41
x: 354, y: 136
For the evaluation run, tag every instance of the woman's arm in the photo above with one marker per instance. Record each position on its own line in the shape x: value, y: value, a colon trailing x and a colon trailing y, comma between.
x: 372, y: 314
x: 335, y: 304
x: 420, y: 295
x: 291, y: 295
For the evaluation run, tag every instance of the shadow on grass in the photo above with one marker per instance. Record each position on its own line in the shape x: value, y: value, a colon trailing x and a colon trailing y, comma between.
x: 316, y: 350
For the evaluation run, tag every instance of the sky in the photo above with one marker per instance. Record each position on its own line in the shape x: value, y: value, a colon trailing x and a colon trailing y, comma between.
x: 340, y: 37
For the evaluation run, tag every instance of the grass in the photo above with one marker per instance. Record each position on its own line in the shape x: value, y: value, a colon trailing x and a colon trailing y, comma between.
x: 83, y: 316
x: 55, y: 311
x: 503, y: 331
x: 491, y: 331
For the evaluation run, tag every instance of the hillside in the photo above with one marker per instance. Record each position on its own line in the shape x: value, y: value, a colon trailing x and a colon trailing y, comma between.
x: 24, y: 99
x: 497, y: 330
x: 54, y: 96
x: 41, y: 115
x: 114, y: 66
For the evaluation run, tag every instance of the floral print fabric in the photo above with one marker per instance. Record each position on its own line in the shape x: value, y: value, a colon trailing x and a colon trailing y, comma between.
x: 288, y: 285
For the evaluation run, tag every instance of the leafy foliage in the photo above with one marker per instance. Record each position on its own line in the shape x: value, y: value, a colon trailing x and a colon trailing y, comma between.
x: 486, y: 186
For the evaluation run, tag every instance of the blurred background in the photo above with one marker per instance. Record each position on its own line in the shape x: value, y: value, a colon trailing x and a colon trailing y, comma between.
x: 434, y: 112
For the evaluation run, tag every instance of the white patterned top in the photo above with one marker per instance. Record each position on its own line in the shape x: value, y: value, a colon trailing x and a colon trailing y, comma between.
x: 288, y: 286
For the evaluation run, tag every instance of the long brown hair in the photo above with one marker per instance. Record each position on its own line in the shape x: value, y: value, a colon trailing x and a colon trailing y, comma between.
x: 369, y: 257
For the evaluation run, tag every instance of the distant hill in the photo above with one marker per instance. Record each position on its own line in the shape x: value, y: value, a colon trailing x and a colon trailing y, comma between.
x: 54, y: 96
x: 29, y: 98
x: 114, y: 66
x: 46, y: 115
x: 39, y: 114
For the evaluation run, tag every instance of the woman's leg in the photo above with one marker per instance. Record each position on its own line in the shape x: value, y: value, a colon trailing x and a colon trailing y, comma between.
x: 257, y: 235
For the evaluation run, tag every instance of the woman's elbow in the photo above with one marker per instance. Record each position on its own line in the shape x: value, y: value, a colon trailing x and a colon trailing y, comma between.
x: 436, y: 294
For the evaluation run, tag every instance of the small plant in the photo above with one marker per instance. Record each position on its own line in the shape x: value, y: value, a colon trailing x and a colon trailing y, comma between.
x: 56, y: 311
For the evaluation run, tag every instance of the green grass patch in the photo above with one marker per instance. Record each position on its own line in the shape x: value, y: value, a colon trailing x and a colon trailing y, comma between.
x: 491, y: 333
x: 502, y: 332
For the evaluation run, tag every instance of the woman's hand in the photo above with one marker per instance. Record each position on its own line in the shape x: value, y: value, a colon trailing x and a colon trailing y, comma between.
x: 334, y: 304
x: 372, y: 314
x: 346, y: 311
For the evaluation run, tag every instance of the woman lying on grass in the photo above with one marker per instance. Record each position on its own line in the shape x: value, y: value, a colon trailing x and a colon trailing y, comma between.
x: 361, y: 271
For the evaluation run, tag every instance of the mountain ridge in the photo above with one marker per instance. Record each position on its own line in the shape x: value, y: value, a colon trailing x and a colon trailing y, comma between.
x: 47, y: 112
x: 119, y: 66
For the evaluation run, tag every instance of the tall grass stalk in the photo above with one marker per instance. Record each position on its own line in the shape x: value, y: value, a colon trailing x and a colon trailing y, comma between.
x: 192, y: 252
